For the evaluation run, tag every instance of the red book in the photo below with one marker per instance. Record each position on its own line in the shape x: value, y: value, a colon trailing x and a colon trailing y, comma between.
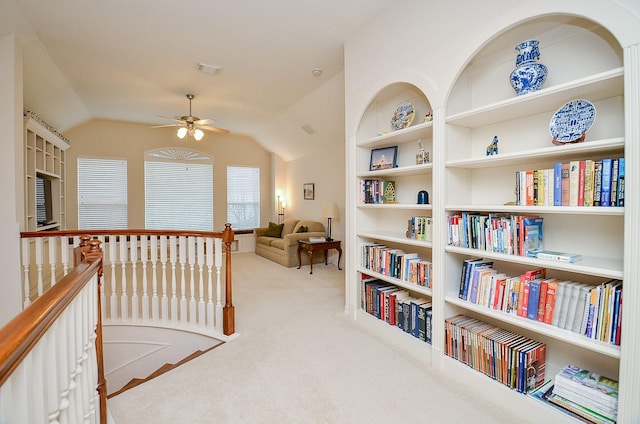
x: 529, y: 189
x: 542, y: 303
x: 552, y: 288
x: 581, y: 181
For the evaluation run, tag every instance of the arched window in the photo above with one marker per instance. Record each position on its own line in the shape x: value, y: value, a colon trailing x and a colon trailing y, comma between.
x: 178, y: 190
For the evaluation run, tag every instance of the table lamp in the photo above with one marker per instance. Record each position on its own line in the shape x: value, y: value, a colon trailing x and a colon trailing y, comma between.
x: 329, y: 211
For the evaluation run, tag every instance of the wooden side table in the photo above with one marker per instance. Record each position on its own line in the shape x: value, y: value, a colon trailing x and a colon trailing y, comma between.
x: 324, y: 246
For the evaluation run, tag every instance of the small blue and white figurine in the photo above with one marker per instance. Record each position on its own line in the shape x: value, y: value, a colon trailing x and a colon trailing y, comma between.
x: 492, y: 149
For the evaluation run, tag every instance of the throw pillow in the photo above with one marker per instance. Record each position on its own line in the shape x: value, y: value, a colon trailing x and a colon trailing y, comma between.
x: 302, y: 229
x: 274, y: 230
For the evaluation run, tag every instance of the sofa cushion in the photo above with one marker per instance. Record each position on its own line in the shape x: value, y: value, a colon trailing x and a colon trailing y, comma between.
x: 266, y: 240
x: 274, y: 230
x: 312, y: 226
x: 278, y: 243
x: 302, y: 229
x: 289, y: 226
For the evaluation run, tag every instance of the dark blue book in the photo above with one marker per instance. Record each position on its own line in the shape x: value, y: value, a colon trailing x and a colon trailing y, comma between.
x: 605, y: 197
x: 428, y: 325
x: 621, y: 172
x: 534, y: 298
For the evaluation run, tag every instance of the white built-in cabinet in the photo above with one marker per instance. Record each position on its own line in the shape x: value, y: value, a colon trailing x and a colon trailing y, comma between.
x: 44, y: 158
x: 585, y: 62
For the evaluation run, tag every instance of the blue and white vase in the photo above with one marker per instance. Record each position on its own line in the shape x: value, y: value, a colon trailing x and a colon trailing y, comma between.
x: 529, y: 75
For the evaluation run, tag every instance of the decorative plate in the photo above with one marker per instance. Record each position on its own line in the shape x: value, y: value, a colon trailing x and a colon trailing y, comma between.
x: 403, y: 116
x: 572, y: 120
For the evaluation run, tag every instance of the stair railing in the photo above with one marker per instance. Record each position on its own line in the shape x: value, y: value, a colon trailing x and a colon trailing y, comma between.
x: 51, y: 367
x: 163, y: 278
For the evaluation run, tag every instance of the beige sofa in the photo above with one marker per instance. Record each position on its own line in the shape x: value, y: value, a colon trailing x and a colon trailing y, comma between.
x: 284, y: 249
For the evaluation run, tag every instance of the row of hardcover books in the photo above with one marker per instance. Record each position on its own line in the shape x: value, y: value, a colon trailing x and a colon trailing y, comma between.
x: 396, y: 263
x: 397, y: 307
x: 509, y: 358
x: 585, y: 309
x: 420, y: 228
x: 575, y: 183
x: 582, y: 394
x: 501, y: 233
x: 377, y: 191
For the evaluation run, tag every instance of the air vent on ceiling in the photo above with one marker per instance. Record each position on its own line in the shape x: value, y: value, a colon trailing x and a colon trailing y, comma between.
x: 209, y: 69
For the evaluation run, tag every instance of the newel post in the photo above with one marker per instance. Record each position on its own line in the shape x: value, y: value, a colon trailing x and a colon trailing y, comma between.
x: 228, y: 311
x: 89, y: 248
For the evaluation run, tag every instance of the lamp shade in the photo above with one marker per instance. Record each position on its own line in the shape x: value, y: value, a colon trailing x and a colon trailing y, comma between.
x: 330, y: 210
x: 182, y: 131
x: 198, y: 134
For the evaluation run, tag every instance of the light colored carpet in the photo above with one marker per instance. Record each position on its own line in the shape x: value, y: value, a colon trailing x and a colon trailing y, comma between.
x: 299, y: 359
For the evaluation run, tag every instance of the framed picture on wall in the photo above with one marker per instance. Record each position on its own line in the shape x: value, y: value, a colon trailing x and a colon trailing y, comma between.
x: 308, y: 190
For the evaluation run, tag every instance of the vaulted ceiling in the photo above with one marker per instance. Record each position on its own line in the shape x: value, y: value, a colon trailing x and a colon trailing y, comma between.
x: 132, y: 60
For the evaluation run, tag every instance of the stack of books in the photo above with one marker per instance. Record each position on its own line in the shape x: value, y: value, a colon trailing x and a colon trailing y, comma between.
x: 586, y: 394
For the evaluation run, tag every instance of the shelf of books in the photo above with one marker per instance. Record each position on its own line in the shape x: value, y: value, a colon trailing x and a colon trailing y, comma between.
x: 529, y: 238
x: 511, y: 270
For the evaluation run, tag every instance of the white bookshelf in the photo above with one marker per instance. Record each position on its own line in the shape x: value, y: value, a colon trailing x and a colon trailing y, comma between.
x: 45, y: 156
x: 461, y: 178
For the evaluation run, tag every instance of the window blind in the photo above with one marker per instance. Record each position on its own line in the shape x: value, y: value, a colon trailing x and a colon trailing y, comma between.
x: 178, y: 196
x: 102, y: 193
x: 243, y: 197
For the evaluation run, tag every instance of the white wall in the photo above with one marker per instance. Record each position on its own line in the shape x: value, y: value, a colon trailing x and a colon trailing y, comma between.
x: 11, y: 175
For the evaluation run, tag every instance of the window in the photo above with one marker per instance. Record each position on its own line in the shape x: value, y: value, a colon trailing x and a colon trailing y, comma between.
x: 178, y: 190
x: 243, y: 197
x: 102, y: 193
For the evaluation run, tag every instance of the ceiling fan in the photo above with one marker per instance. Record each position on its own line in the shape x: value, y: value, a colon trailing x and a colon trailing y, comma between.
x: 192, y: 125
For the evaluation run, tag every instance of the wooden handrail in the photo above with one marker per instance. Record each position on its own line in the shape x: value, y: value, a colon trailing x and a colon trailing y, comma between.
x: 20, y: 335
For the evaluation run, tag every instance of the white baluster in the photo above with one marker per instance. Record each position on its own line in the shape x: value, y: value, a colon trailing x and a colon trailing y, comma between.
x: 218, y: 285
x: 144, y: 258
x: 50, y: 384
x: 133, y: 257
x: 39, y: 261
x: 26, y: 263
x: 52, y: 259
x: 124, y: 299
x: 37, y: 373
x: 63, y: 366
x: 192, y: 281
x: 201, y: 262
x: 163, y: 260
x: 64, y: 254
x: 112, y: 258
x: 183, y: 262
x: 210, y: 316
x: 154, y: 277
x: 173, y: 254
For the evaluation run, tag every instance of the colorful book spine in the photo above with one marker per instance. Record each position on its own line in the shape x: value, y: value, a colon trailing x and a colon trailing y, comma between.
x: 557, y: 184
x: 605, y: 199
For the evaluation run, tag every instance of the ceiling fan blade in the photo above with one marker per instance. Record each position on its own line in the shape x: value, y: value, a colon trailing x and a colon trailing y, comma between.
x: 204, y: 121
x: 171, y: 119
x: 168, y: 125
x: 214, y: 129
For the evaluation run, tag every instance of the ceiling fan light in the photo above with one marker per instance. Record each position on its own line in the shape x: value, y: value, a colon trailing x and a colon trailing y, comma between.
x: 198, y: 134
x: 182, y: 132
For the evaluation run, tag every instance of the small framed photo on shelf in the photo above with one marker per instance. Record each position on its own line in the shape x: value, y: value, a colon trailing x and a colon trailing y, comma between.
x: 308, y: 191
x: 383, y: 158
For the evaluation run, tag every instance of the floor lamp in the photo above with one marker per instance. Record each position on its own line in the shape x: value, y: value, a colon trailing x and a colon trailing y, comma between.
x: 330, y: 211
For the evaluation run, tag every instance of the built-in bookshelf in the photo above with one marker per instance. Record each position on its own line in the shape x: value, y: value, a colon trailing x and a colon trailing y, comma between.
x: 481, y: 185
x: 384, y: 223
x: 479, y: 107
x: 45, y: 170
